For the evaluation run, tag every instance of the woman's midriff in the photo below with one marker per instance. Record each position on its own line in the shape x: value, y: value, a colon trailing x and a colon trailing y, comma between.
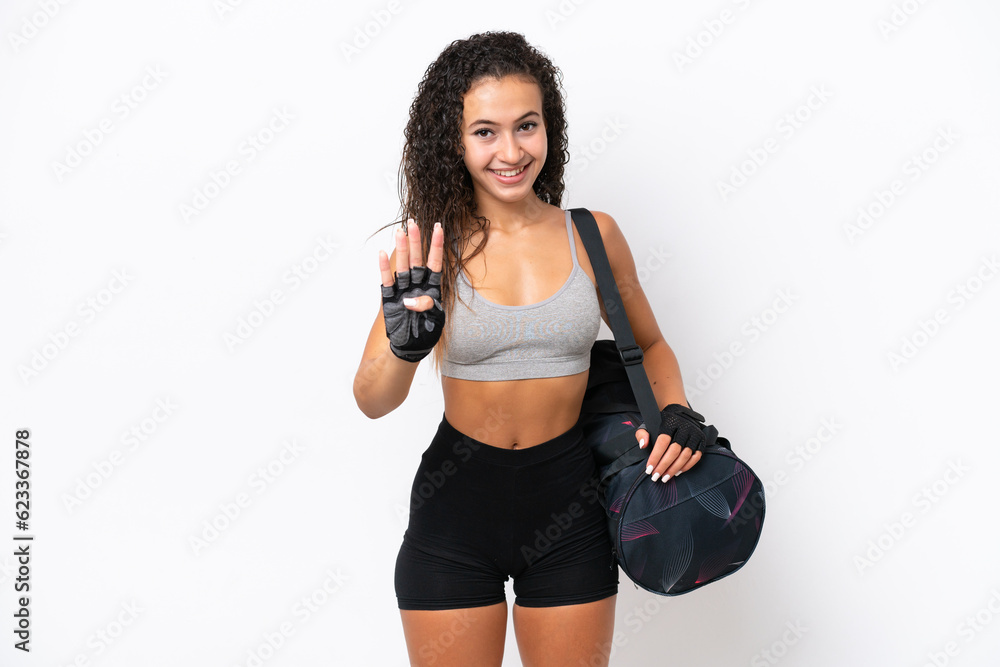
x: 514, y: 414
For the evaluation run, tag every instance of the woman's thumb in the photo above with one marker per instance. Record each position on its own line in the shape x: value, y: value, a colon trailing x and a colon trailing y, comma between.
x: 418, y: 303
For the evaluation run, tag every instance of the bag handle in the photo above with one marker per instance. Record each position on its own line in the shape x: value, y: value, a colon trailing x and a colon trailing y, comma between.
x: 630, y: 352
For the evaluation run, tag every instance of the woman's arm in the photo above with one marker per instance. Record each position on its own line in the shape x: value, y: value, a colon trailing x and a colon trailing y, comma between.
x: 664, y: 373
x: 659, y: 360
x: 383, y: 380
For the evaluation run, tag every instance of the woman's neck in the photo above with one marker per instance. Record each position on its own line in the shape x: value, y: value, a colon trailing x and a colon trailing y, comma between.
x: 512, y: 216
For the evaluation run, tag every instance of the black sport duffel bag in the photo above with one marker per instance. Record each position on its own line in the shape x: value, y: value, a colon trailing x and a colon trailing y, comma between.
x: 669, y: 538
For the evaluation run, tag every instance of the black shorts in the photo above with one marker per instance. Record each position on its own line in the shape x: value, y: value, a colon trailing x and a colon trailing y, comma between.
x: 480, y: 514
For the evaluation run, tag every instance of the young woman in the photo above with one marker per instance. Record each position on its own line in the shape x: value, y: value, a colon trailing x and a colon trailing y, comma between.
x: 508, y: 305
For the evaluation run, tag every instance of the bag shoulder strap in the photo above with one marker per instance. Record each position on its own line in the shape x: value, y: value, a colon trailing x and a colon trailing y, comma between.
x: 630, y: 352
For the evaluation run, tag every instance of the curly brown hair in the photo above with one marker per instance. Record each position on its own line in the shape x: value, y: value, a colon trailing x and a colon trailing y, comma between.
x: 434, y: 183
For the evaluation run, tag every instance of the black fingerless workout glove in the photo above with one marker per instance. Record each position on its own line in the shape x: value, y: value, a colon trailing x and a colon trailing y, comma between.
x: 684, y: 426
x: 412, y: 335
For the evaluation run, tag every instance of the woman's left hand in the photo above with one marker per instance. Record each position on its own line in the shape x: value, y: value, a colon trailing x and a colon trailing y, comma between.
x: 678, y: 447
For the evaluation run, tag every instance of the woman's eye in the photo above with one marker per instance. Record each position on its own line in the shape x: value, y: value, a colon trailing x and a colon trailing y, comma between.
x: 530, y: 125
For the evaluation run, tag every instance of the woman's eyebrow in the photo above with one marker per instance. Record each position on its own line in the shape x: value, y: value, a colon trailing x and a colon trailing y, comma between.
x: 490, y: 122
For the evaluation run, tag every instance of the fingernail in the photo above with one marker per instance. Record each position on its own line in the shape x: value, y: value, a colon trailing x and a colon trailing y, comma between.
x: 642, y: 443
x: 437, y: 225
x: 655, y: 476
x: 409, y: 301
x: 649, y: 469
x: 665, y: 478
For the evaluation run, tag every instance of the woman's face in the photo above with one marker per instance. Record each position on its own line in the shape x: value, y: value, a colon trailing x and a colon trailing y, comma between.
x: 503, y: 133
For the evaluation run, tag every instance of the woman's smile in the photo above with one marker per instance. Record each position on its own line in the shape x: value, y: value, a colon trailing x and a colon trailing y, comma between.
x: 510, y: 176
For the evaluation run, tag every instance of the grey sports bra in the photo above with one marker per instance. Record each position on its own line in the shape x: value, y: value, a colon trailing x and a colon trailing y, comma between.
x: 551, y: 338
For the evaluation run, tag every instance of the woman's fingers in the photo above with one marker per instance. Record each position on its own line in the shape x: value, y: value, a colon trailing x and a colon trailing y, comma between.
x: 660, y: 457
x: 674, y: 461
x: 690, y: 464
x: 409, y: 252
x: 402, y: 252
x: 383, y: 267
x: 642, y: 435
x: 415, y: 249
x: 667, y: 458
x: 436, y: 256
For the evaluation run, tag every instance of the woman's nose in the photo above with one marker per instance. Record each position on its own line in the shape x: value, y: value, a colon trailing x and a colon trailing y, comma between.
x: 509, y: 150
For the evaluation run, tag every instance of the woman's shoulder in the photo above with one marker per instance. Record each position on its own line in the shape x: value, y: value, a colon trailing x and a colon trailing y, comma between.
x: 608, y: 226
x: 611, y: 233
x: 615, y: 245
x: 604, y: 220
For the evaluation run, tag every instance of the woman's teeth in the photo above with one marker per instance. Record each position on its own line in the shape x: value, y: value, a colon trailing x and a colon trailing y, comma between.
x: 508, y: 172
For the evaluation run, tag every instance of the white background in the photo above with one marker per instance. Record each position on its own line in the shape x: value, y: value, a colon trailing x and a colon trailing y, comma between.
x: 872, y: 549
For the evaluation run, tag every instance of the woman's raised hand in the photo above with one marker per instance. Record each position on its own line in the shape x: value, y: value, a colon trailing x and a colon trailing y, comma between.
x: 411, y: 304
